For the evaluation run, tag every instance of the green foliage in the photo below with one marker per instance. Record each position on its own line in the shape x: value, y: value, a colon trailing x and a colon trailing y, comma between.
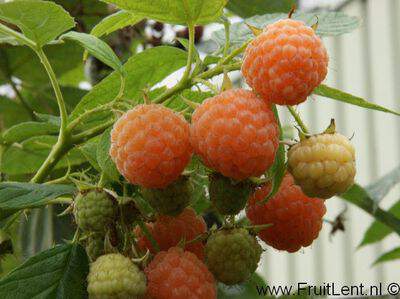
x: 114, y: 22
x: 250, y: 8
x: 23, y: 131
x: 377, y: 230
x: 33, y: 24
x: 359, y: 197
x: 59, y: 272
x: 33, y: 152
x: 278, y: 169
x: 174, y: 11
x: 14, y: 195
x: 329, y: 23
x: 11, y: 113
x: 143, y: 70
x: 345, y: 97
x: 389, y: 256
x: 96, y: 47
x: 103, y: 157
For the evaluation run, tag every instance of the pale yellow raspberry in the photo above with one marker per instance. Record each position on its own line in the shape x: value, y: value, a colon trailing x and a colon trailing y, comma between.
x: 323, y: 165
x: 115, y: 276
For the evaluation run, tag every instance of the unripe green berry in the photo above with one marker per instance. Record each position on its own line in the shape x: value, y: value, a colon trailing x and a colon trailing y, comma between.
x: 228, y: 196
x: 94, y: 210
x: 232, y: 255
x: 172, y: 199
x: 115, y: 276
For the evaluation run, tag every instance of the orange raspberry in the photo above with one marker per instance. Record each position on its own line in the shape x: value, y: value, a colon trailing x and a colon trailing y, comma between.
x: 150, y: 145
x: 169, y: 231
x: 178, y: 274
x: 235, y: 133
x: 296, y: 219
x: 285, y: 62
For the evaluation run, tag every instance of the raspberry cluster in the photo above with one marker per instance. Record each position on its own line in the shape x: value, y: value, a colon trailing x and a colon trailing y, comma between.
x: 236, y: 135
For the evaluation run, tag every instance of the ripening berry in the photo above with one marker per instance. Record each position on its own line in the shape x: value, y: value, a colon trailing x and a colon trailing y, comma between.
x: 115, y: 276
x: 94, y: 210
x: 235, y: 133
x: 232, y: 255
x: 150, y: 145
x: 285, y: 62
x: 323, y: 165
x: 295, y: 218
x: 172, y: 199
x: 178, y: 274
x: 170, y: 231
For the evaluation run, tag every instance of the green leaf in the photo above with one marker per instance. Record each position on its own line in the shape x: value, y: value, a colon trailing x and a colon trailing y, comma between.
x: 11, y: 113
x: 174, y: 11
x: 29, y: 129
x: 247, y: 290
x: 33, y: 152
x: 249, y: 8
x: 359, y: 197
x: 380, y: 188
x: 378, y: 231
x: 24, y: 64
x: 142, y: 70
x: 329, y: 23
x: 59, y: 272
x: 278, y: 169
x: 40, y: 21
x: 89, y: 150
x: 5, y: 39
x: 114, y: 22
x: 345, y: 97
x: 389, y: 256
x: 16, y: 196
x: 103, y: 156
x: 96, y: 47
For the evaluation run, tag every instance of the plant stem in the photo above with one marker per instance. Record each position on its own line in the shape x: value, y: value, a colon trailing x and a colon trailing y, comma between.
x: 184, y: 82
x: 21, y: 99
x: 298, y: 120
x: 57, y: 91
x: 63, y: 145
x: 86, y: 135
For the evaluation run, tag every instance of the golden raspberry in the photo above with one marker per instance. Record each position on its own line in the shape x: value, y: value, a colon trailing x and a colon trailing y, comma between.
x: 150, y: 145
x: 235, y: 133
x: 178, y: 274
x: 115, y: 276
x: 323, y: 165
x: 285, y: 62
